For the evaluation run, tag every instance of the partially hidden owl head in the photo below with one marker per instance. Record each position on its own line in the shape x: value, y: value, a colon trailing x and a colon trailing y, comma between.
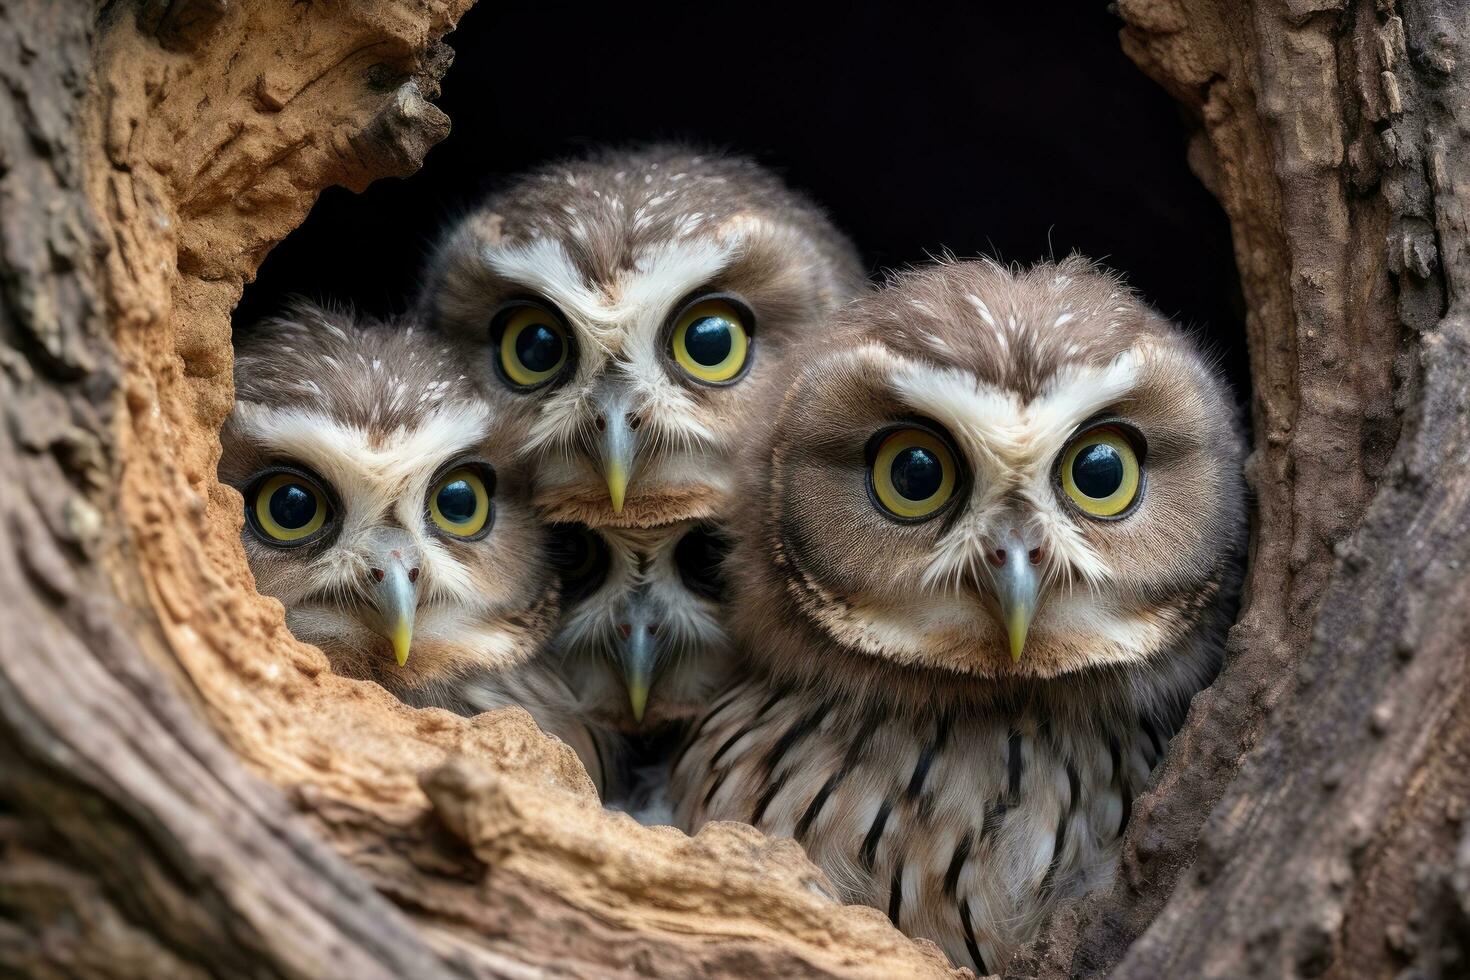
x: 642, y: 638
x: 999, y: 473
x: 634, y: 303
x: 386, y: 506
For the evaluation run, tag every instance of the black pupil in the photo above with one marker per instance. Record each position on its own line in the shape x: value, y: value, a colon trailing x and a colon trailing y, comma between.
x: 292, y: 506
x: 709, y: 339
x: 916, y: 473
x: 1098, y: 471
x: 538, y: 347
x: 457, y: 502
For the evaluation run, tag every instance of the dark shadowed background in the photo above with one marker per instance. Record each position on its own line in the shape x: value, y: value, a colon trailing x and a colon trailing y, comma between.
x: 1014, y: 130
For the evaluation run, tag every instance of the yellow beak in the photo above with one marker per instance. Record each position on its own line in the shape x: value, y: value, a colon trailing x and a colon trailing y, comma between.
x: 1018, y: 623
x: 617, y: 483
x: 638, y: 700
x: 396, y: 599
x: 1018, y: 590
x: 619, y: 443
x: 638, y: 657
x: 402, y: 640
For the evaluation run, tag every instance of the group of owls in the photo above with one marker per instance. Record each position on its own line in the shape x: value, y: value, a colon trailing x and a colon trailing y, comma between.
x: 923, y: 576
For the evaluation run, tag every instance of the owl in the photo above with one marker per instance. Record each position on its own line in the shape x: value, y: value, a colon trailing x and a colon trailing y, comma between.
x: 634, y: 304
x: 388, y: 509
x: 986, y: 554
x: 642, y: 616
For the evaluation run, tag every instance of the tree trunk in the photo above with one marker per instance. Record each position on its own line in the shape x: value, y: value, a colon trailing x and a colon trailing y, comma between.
x: 1310, y: 818
x: 187, y: 791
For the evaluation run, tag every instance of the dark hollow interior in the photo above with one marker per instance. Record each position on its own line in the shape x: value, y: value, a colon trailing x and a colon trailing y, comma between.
x: 1019, y: 131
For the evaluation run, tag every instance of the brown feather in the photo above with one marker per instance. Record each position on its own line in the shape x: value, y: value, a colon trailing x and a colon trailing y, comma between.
x: 882, y: 721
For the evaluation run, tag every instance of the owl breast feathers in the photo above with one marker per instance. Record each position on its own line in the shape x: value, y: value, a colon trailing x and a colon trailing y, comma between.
x: 987, y: 553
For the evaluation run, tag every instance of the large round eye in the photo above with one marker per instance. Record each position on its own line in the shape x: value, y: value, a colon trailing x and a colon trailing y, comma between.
x: 711, y: 340
x: 1100, y: 472
x: 287, y: 508
x: 699, y: 556
x: 459, y: 502
x: 533, y: 344
x: 913, y: 473
x: 580, y: 558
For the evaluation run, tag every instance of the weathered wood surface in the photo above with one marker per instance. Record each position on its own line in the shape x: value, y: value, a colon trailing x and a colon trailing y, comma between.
x: 1309, y: 821
x: 185, y: 791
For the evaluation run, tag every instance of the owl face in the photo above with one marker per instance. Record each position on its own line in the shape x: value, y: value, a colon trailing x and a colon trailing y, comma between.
x: 384, y: 506
x: 635, y: 304
x: 1000, y: 475
x: 641, y: 636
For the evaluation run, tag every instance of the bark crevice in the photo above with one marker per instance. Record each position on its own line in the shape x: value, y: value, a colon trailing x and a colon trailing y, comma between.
x: 191, y: 792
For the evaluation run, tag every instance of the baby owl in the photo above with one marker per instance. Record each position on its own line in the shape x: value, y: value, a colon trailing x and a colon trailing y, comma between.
x: 641, y: 602
x: 387, y: 508
x: 636, y: 303
x: 986, y: 555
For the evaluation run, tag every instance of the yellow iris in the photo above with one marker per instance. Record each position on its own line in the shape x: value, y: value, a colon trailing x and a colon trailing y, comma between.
x: 1101, y: 473
x: 289, y: 508
x: 533, y: 346
x: 459, y: 504
x: 913, y: 474
x: 711, y: 341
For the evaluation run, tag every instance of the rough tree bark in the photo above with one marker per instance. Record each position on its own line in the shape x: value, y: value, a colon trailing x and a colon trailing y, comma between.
x: 184, y: 790
x: 1310, y: 819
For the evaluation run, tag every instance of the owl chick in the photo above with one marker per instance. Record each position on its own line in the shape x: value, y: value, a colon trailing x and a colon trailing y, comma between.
x: 388, y: 511
x: 641, y: 604
x: 634, y: 302
x: 987, y: 556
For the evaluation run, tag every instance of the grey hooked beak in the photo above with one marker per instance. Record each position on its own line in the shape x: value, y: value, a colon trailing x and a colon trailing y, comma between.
x: 638, y: 653
x: 394, y: 575
x: 1016, y: 576
x: 617, y: 427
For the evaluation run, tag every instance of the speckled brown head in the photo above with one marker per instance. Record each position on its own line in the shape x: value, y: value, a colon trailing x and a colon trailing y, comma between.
x: 1001, y: 474
x: 635, y: 303
x: 387, y: 506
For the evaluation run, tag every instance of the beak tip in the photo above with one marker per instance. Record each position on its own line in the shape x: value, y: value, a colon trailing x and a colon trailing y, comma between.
x: 402, y: 644
x: 616, y: 473
x: 1016, y: 631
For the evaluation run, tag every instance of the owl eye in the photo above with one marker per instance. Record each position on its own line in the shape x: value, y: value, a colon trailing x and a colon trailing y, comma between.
x: 912, y: 474
x: 580, y: 558
x: 533, y: 343
x: 286, y: 508
x: 711, y: 339
x: 459, y: 501
x: 1100, y: 472
x: 699, y: 556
